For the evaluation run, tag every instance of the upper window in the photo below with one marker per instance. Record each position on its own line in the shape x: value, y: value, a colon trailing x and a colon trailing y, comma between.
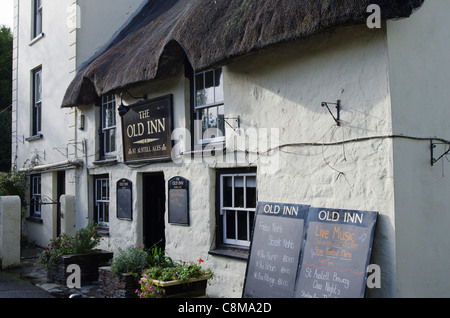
x: 209, y: 106
x: 37, y: 18
x: 37, y: 101
x: 108, y: 125
x: 35, y: 191
x: 237, y: 197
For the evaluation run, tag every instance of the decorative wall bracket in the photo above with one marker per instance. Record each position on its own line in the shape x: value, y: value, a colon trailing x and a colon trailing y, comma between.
x: 336, y: 118
x: 432, y: 146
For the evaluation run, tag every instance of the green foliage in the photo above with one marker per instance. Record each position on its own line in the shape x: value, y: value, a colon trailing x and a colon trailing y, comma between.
x: 158, y: 258
x: 14, y: 183
x: 84, y: 241
x: 132, y: 260
x: 62, y: 245
x: 5, y: 140
x: 181, y: 271
x: 178, y: 271
x: 6, y: 45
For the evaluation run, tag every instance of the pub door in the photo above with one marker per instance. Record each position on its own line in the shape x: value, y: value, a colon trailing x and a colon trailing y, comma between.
x: 154, y: 207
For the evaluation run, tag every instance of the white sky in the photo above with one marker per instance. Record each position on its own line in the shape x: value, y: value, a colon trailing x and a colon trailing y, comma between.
x: 6, y: 12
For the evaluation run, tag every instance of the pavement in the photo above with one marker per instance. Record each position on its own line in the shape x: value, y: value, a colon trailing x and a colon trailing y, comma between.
x: 30, y: 281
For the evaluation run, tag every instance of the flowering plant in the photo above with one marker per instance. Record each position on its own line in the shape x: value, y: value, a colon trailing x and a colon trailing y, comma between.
x: 84, y: 241
x: 181, y: 271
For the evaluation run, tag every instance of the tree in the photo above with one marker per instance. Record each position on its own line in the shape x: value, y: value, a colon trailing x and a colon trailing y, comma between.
x: 6, y: 44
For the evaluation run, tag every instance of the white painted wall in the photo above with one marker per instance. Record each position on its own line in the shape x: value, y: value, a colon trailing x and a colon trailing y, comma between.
x: 419, y: 77
x: 99, y: 21
x: 285, y: 87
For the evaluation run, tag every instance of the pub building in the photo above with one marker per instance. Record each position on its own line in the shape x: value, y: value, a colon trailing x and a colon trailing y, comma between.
x: 197, y: 111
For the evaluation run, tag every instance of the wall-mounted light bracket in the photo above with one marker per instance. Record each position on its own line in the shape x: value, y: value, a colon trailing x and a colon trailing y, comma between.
x: 432, y: 146
x: 336, y: 118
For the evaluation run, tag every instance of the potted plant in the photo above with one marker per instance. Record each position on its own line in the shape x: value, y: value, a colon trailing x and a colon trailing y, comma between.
x: 119, y: 279
x: 80, y: 250
x: 179, y: 280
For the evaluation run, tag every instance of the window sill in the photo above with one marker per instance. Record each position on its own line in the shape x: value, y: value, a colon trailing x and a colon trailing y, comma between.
x: 36, y: 39
x: 105, y: 161
x: 34, y: 219
x: 235, y: 253
x: 35, y: 137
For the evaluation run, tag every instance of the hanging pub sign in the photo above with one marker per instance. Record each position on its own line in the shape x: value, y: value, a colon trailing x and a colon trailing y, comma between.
x: 336, y: 253
x: 146, y: 130
x: 124, y: 199
x: 179, y: 201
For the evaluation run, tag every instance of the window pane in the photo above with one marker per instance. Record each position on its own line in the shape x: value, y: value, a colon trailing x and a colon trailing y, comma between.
x: 238, y: 192
x: 105, y: 190
x: 218, y: 85
x: 227, y: 195
x: 112, y: 140
x: 251, y: 192
x: 209, y: 87
x: 105, y: 217
x: 251, y: 220
x: 38, y: 86
x: 204, y: 114
x: 230, y: 224
x: 199, y: 92
x: 242, y: 226
x: 212, y: 117
x: 221, y: 119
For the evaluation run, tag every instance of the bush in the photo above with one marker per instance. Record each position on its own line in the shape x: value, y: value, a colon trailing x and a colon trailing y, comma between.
x: 181, y: 271
x: 14, y: 183
x: 132, y: 260
x: 84, y: 241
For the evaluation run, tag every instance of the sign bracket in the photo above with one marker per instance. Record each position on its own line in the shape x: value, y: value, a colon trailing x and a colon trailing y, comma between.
x: 337, y: 119
x: 432, y: 146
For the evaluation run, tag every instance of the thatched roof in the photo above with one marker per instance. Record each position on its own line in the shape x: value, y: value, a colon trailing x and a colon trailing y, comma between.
x: 209, y: 33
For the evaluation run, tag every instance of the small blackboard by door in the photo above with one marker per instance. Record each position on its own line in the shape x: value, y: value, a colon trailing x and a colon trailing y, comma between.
x: 124, y: 199
x: 277, y: 240
x: 179, y: 201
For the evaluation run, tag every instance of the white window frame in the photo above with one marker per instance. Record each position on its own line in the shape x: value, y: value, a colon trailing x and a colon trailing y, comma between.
x: 37, y: 18
x: 37, y: 101
x: 225, y: 209
x: 101, y: 203
x: 108, y: 104
x: 198, y: 109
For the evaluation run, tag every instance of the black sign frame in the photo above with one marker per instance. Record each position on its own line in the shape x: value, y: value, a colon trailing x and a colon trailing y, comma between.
x: 147, y: 131
x: 178, y: 202
x: 124, y: 192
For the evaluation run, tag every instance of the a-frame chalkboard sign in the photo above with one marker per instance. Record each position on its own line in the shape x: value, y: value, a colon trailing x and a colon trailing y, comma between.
x: 275, y: 250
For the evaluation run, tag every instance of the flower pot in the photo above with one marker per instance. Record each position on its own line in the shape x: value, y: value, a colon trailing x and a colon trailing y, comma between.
x: 119, y: 285
x: 194, y: 287
x: 89, y: 264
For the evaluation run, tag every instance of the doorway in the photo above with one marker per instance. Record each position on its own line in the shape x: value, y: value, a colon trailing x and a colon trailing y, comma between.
x: 154, y: 207
x: 60, y: 190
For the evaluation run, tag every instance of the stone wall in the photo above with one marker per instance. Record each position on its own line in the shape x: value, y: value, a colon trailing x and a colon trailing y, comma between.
x: 116, y: 285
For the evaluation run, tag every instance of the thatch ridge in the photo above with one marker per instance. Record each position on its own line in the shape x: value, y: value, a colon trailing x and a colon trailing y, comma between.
x: 211, y: 32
